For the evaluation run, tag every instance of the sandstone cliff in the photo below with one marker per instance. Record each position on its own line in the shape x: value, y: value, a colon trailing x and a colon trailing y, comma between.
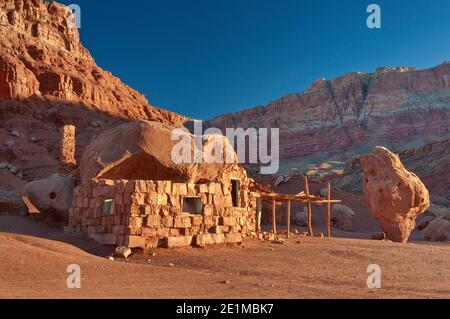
x: 41, y: 58
x: 393, y: 106
x: 47, y: 79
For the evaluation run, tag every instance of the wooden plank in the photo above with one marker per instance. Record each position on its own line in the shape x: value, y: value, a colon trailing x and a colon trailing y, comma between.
x: 313, y: 201
x: 288, y: 222
x: 331, y: 201
x: 274, y: 220
x: 310, y: 230
x: 30, y: 207
x: 329, y: 211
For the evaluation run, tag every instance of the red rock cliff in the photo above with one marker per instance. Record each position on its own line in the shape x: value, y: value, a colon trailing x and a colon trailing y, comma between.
x: 47, y: 79
x: 42, y: 58
x: 394, y: 105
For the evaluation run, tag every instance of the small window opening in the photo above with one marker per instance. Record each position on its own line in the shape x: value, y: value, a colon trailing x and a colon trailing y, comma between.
x: 192, y: 205
x: 235, y: 192
x: 107, y: 206
x: 258, y: 213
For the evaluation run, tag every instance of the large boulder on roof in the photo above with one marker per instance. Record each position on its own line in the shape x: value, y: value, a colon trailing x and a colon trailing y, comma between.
x: 153, y: 151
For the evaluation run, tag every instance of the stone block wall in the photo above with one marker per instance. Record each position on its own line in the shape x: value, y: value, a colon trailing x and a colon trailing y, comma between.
x: 148, y: 214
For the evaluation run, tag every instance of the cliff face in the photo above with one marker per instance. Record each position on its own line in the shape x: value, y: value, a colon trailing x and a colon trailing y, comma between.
x: 41, y: 58
x: 47, y: 79
x: 391, y: 106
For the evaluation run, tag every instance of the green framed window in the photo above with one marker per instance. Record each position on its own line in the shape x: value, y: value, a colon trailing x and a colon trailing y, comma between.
x: 192, y: 205
x: 107, y: 206
x: 236, y: 192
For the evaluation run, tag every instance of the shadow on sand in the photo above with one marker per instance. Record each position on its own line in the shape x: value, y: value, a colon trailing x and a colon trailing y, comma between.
x: 27, y: 226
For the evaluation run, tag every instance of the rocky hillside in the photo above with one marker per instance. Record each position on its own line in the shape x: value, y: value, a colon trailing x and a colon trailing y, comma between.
x: 47, y: 79
x: 396, y: 107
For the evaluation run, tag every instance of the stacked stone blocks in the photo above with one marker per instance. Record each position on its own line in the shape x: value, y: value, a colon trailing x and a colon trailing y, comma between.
x: 148, y: 214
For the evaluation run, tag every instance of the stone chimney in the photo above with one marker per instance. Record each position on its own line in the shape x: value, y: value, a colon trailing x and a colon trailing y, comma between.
x: 67, y: 161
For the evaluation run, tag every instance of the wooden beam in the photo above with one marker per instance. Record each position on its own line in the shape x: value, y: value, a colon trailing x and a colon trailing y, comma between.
x: 274, y: 219
x: 329, y: 211
x: 310, y: 230
x: 293, y: 199
x: 331, y: 201
x: 30, y: 207
x: 288, y: 222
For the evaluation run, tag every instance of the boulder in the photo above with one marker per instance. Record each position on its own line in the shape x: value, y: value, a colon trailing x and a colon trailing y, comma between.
x: 342, y: 217
x: 8, y: 143
x: 394, y: 195
x: 439, y: 211
x: 424, y: 222
x: 12, y: 169
x: 146, y: 150
x: 52, y: 195
x: 279, y: 180
x: 437, y: 230
x: 301, y: 218
x: 10, y: 202
x: 378, y: 236
x: 122, y: 252
x: 282, y: 179
x: 96, y: 124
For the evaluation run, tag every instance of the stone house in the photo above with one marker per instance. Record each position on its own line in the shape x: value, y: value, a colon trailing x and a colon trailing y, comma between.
x: 132, y: 194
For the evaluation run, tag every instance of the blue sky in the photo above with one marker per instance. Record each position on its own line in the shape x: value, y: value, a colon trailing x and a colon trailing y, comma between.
x: 203, y: 58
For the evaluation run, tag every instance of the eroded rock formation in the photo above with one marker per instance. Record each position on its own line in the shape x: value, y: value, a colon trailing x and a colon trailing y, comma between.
x: 430, y: 162
x: 394, y: 195
x: 42, y: 58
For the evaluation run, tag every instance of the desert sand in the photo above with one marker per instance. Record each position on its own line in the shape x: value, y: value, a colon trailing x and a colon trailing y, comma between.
x: 35, y: 258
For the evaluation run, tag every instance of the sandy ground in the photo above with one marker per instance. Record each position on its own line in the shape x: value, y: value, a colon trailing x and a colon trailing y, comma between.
x: 34, y: 261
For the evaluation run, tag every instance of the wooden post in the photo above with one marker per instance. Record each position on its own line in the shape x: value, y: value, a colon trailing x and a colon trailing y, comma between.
x: 329, y: 211
x: 310, y: 230
x: 288, y: 222
x: 274, y: 220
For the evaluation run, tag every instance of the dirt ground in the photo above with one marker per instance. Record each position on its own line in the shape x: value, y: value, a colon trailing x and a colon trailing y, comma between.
x: 34, y: 260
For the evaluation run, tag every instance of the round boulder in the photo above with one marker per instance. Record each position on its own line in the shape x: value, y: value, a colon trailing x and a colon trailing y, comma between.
x: 422, y: 224
x: 342, y: 217
x: 437, y: 230
x: 52, y: 195
x: 10, y: 202
x: 301, y: 218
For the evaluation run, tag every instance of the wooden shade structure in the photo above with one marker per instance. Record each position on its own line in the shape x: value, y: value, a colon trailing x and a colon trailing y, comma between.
x: 270, y: 196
